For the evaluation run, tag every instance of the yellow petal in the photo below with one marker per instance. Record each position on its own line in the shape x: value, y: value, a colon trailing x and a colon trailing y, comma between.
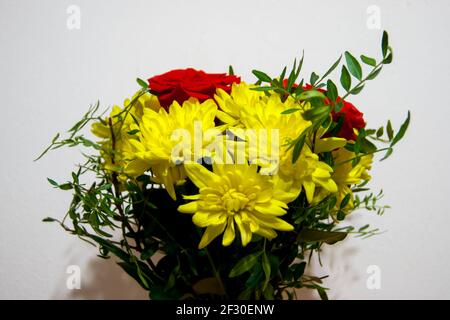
x: 201, y: 176
x: 229, y: 234
x: 190, y: 207
x: 210, y: 234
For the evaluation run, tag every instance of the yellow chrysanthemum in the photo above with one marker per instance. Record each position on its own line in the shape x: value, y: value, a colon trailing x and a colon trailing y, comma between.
x: 115, y: 152
x: 231, y: 104
x: 156, y: 145
x: 346, y: 175
x: 235, y: 194
x: 307, y: 171
x: 123, y: 123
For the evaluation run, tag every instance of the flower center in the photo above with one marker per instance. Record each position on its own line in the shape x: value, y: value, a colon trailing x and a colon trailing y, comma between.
x: 234, y: 201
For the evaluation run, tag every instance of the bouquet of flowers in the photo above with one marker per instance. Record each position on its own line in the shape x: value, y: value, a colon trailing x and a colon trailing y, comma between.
x: 204, y: 186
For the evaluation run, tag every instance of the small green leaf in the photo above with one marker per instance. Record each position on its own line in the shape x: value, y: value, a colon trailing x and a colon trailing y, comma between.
x: 368, y: 60
x: 389, y: 130
x: 230, y: 70
x: 48, y: 219
x: 340, y: 215
x: 310, y: 94
x: 142, y: 83
x: 244, y: 265
x: 298, y: 148
x: 380, y: 132
x: 288, y: 111
x: 345, y: 201
x: 66, y: 186
x: 53, y: 182
x: 374, y: 73
x: 346, y: 80
x: 353, y: 65
x: 387, y: 154
x: 316, y: 112
x: 262, y: 88
x: 332, y: 92
x: 357, y: 89
x: 314, y: 77
x: 133, y: 132
x: 388, y: 59
x: 283, y: 74
x: 402, y: 130
x: 384, y: 43
x: 335, y: 64
x: 261, y: 76
x: 339, y: 105
x: 329, y: 237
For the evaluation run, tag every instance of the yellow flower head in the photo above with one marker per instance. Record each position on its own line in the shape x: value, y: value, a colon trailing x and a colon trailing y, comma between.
x: 307, y: 171
x: 241, y: 96
x: 346, y: 175
x: 235, y: 194
x: 162, y: 134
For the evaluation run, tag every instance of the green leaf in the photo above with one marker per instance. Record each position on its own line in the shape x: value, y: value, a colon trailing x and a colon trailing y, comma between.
x: 389, y: 130
x: 367, y: 146
x: 380, y: 132
x: 283, y: 74
x: 345, y: 201
x: 338, y: 107
x: 388, y: 59
x: 142, y: 83
x: 133, y: 132
x: 310, y: 94
x: 340, y: 215
x: 262, y: 88
x: 346, y: 80
x: 314, y: 77
x: 329, y: 237
x: 368, y: 60
x: 353, y: 65
x: 357, y: 89
x: 387, y: 154
x: 230, y: 70
x: 53, y: 182
x: 384, y: 43
x: 300, y: 64
x: 66, y: 186
x: 299, y: 269
x: 298, y: 148
x: 244, y: 265
x: 322, y: 293
x: 288, y: 111
x: 332, y: 92
x: 261, y: 76
x: 316, y: 112
x: 402, y: 130
x: 49, y: 219
x: 332, y: 67
x: 374, y: 73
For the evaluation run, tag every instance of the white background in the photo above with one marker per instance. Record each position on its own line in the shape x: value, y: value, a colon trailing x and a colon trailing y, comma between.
x: 49, y: 75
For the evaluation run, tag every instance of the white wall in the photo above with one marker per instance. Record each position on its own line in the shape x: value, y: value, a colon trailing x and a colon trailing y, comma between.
x: 49, y: 75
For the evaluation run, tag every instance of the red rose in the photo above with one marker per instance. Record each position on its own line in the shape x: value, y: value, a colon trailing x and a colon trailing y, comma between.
x: 182, y: 84
x: 353, y: 118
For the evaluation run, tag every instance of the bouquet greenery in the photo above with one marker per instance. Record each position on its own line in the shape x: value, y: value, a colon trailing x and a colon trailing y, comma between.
x: 206, y: 187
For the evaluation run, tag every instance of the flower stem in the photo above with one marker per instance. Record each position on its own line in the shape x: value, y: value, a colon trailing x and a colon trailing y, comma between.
x: 216, y: 272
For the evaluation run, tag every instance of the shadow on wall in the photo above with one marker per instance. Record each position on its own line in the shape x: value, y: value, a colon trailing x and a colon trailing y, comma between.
x: 103, y: 279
